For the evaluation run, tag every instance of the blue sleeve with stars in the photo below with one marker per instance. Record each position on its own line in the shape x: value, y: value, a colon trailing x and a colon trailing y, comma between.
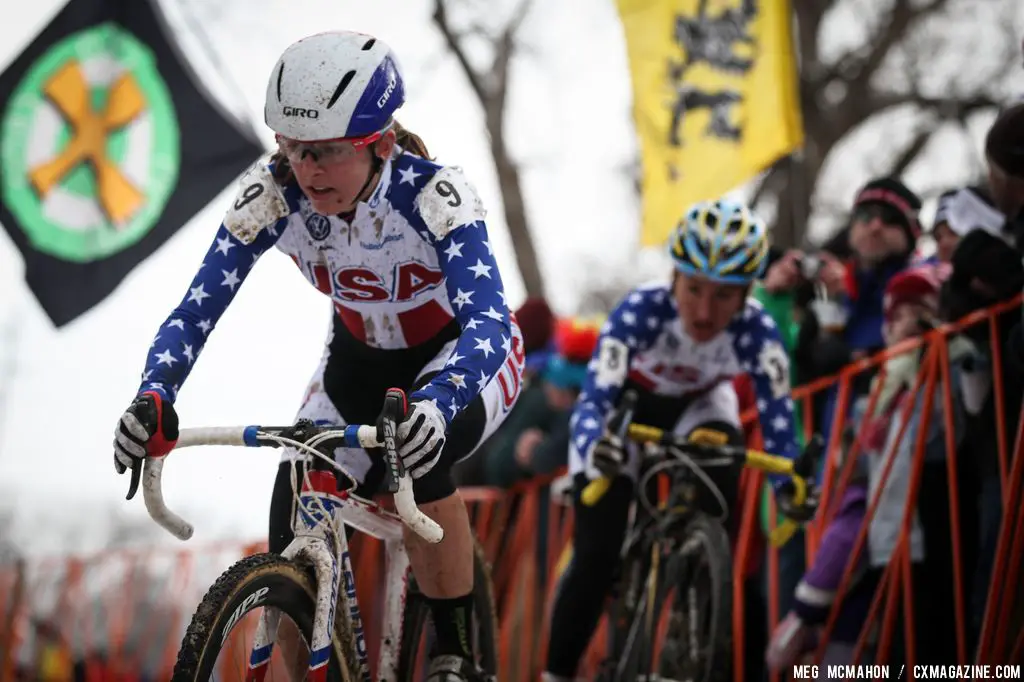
x: 759, y: 350
x: 478, y: 301
x: 634, y: 324
x: 182, y: 336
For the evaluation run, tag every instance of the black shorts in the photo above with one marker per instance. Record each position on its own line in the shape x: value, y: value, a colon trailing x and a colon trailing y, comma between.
x: 349, y: 388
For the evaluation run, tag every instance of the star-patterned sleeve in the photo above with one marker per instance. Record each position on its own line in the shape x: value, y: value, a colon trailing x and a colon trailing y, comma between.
x: 181, y: 337
x: 759, y: 350
x: 632, y: 327
x: 478, y: 300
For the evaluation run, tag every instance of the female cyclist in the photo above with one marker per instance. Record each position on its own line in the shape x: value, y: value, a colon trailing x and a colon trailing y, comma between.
x: 400, y: 246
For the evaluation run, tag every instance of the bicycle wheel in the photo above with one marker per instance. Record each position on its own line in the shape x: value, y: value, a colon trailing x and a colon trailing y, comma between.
x: 695, y: 606
x: 417, y: 630
x: 255, y: 582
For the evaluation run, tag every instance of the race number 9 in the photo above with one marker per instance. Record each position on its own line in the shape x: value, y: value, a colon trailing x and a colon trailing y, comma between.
x: 448, y: 191
x: 248, y: 195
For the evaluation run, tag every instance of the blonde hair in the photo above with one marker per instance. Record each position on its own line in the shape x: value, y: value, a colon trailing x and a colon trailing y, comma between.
x: 406, y: 139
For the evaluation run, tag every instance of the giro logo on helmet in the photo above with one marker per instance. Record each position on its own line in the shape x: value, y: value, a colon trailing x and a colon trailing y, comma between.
x: 300, y: 112
x: 387, y: 93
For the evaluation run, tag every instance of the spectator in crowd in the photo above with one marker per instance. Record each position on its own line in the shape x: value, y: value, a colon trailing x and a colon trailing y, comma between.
x: 961, y: 211
x: 1004, y: 150
x: 986, y: 271
x: 835, y: 298
x: 537, y: 324
x: 911, y: 307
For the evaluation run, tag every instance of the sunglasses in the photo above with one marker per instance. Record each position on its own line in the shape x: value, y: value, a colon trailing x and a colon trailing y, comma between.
x: 889, y: 215
x: 337, y: 150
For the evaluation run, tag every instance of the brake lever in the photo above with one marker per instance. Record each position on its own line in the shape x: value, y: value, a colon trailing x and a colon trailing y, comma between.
x: 396, y: 405
x: 133, y: 486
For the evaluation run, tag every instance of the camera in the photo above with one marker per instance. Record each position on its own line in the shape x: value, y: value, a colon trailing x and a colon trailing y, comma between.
x: 810, y: 267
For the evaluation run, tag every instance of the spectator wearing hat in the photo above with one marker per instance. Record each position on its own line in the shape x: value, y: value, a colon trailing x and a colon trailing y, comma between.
x: 960, y: 212
x: 537, y: 324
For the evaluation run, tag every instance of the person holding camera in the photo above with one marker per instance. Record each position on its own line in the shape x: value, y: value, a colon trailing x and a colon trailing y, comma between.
x: 836, y: 294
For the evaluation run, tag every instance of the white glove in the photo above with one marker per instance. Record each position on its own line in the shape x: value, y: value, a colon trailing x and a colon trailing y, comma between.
x: 422, y: 435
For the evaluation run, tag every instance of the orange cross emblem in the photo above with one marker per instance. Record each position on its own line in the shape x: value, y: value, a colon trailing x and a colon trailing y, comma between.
x: 69, y: 92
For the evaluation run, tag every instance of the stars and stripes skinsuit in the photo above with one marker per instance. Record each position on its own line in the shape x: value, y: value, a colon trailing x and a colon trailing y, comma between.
x: 682, y: 385
x: 417, y: 301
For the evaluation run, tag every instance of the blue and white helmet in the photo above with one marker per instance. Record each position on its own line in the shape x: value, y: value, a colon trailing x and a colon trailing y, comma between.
x: 333, y: 85
x: 722, y: 240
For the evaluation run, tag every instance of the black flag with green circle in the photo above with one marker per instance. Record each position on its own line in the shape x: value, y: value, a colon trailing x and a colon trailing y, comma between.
x: 108, y: 145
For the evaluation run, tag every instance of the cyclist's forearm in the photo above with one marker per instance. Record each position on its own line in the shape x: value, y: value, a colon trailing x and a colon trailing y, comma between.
x: 183, y: 334
x: 586, y: 425
x: 477, y: 299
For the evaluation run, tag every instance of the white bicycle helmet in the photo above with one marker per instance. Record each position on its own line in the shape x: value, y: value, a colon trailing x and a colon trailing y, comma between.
x: 339, y: 84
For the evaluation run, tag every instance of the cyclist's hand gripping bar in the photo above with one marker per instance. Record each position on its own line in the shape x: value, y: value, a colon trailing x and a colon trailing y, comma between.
x: 621, y: 425
x: 257, y: 436
x: 799, y: 470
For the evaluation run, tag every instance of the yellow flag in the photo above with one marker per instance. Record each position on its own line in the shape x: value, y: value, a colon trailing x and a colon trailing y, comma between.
x: 715, y: 98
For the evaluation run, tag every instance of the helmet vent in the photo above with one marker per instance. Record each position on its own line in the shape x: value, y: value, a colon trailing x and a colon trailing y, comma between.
x: 345, y: 80
x: 369, y: 44
x: 280, y: 72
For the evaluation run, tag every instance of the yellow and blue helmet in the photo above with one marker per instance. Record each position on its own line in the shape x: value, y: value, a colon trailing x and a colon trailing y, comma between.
x: 722, y: 240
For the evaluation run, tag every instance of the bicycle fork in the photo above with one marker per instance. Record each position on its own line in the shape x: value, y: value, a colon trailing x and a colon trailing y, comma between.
x: 320, y: 550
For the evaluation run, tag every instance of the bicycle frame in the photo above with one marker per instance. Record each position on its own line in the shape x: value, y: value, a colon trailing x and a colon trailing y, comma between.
x: 326, y: 552
x: 323, y: 544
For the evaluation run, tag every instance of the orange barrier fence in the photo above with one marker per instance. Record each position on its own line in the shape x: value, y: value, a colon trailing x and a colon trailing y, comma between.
x: 130, y: 608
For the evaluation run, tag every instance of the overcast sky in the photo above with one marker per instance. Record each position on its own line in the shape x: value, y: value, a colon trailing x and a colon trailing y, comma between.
x: 569, y: 123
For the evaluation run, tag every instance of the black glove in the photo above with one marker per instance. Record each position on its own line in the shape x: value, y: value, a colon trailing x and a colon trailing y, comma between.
x: 149, y: 427
x: 608, y: 455
x: 801, y: 513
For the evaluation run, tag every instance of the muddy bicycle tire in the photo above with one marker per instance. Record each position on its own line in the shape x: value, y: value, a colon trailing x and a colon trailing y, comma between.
x: 704, y: 542
x: 289, y: 587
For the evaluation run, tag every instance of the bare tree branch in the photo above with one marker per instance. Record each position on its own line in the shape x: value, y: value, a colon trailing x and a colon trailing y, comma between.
x: 859, y: 67
x: 952, y: 107
x: 906, y: 157
x: 450, y: 39
x: 491, y: 89
x: 503, y: 56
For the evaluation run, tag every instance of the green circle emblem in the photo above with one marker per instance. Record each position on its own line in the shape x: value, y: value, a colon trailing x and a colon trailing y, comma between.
x: 89, y: 145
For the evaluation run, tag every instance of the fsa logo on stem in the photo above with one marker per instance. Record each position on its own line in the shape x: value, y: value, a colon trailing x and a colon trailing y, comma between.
x: 300, y: 112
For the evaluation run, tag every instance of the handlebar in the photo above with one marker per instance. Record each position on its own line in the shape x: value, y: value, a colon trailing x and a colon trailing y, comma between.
x: 799, y: 470
x: 399, y: 483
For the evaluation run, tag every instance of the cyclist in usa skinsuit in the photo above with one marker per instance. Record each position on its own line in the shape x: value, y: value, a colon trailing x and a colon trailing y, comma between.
x: 399, y: 245
x: 678, y: 346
